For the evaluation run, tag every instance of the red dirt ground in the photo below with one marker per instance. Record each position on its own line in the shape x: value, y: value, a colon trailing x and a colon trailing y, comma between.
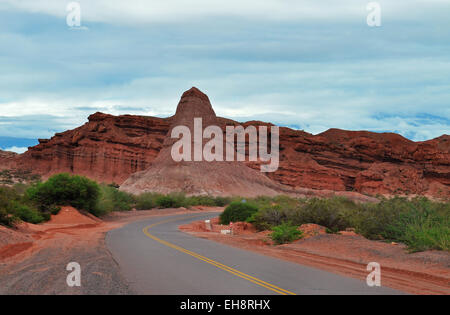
x: 346, y: 254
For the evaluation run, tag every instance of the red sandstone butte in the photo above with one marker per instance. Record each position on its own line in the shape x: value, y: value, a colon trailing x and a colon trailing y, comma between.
x: 111, y: 148
x: 216, y: 178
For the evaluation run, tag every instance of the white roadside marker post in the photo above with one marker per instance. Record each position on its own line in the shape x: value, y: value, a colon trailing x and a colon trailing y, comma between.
x: 208, y: 225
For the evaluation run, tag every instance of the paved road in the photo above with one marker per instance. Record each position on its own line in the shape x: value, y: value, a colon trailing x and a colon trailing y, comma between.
x: 156, y: 258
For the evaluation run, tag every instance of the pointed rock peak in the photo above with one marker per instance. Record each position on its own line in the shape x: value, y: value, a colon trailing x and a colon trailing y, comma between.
x: 194, y: 92
x: 194, y: 104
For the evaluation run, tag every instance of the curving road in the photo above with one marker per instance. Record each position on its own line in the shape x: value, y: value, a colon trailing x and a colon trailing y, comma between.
x: 156, y: 258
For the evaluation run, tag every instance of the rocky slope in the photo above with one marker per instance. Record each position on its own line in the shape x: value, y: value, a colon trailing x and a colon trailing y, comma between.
x: 111, y: 148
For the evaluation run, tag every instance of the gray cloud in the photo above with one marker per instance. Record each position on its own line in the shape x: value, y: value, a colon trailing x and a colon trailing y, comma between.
x: 273, y: 63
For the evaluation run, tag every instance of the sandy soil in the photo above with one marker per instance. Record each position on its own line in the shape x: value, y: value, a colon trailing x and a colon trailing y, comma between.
x: 33, y: 258
x: 346, y: 254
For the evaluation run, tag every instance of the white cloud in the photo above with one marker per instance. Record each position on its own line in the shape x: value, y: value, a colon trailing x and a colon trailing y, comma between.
x: 382, y: 96
x: 151, y: 11
x: 307, y: 71
x: 19, y: 150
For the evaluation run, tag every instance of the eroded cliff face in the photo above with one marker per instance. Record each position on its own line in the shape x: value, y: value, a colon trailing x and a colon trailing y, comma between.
x: 106, y: 148
x: 111, y: 148
x: 365, y: 162
x: 7, y: 160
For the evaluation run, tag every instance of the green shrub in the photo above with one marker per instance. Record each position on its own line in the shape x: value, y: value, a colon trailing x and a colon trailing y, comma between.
x: 237, y: 212
x: 6, y: 218
x: 419, y: 223
x: 201, y: 201
x: 285, y: 233
x: 325, y: 212
x: 8, y: 199
x: 268, y: 216
x: 7, y: 195
x: 207, y: 201
x: 54, y: 209
x: 20, y: 188
x: 146, y: 201
x: 222, y: 201
x: 425, y: 226
x: 112, y: 199
x: 174, y: 200
x: 28, y: 214
x: 64, y: 189
x: 165, y: 202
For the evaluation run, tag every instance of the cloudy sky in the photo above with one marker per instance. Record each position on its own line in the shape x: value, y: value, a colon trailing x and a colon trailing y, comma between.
x: 307, y: 64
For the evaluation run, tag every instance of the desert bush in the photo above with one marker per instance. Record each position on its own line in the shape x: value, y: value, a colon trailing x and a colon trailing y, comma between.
x: 419, y: 223
x: 7, y: 195
x: 237, y: 212
x: 426, y: 225
x: 371, y: 219
x: 325, y: 212
x: 20, y: 188
x: 222, y: 201
x: 268, y: 216
x: 8, y: 198
x: 201, y: 201
x: 112, y: 199
x: 29, y: 214
x: 6, y: 218
x: 174, y: 200
x: 285, y: 233
x: 64, y: 189
x: 165, y: 202
x: 208, y: 201
x: 146, y: 201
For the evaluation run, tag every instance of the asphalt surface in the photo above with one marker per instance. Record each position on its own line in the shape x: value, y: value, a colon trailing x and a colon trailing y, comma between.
x: 156, y: 258
x: 44, y: 273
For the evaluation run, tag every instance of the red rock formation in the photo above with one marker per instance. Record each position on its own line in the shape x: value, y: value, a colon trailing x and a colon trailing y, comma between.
x: 217, y: 178
x: 107, y: 148
x: 111, y: 148
x: 7, y: 160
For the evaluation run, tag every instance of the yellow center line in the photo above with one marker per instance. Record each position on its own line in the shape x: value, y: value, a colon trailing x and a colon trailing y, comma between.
x: 213, y: 262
